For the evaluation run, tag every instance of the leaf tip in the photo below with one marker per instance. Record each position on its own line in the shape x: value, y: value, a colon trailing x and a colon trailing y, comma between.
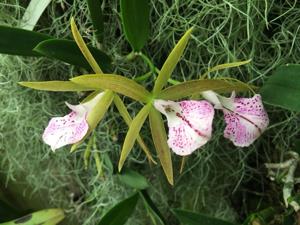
x: 73, y: 148
x: 120, y: 166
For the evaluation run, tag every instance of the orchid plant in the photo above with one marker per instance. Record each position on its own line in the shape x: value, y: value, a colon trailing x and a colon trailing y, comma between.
x: 189, y: 121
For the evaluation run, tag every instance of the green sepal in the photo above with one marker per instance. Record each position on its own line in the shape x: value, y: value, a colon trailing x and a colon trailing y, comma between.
x: 116, y: 83
x: 159, y: 137
x: 133, y: 132
x: 193, y: 87
x: 170, y: 63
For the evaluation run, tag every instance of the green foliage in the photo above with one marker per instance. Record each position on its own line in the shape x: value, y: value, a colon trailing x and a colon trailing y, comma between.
x: 67, y: 51
x: 283, y: 88
x: 97, y: 18
x: 190, y: 218
x: 135, y: 20
x: 119, y: 214
x: 133, y: 179
x: 152, y: 209
x: 192, y: 87
x: 43, y: 217
x: 23, y: 41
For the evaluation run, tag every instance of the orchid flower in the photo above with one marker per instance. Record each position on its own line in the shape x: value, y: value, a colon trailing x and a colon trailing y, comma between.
x: 246, y: 118
x: 71, y: 128
x: 190, y: 124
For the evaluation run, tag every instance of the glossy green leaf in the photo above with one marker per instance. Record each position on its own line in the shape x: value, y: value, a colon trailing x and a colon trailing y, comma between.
x: 159, y: 137
x: 96, y: 114
x: 44, y: 217
x: 133, y: 179
x: 119, y: 214
x: 190, y: 218
x: 17, y: 41
x: 192, y: 87
x: 127, y: 118
x: 171, y: 62
x: 33, y: 13
x: 155, y: 214
x: 115, y: 83
x: 97, y: 18
x: 67, y: 51
x: 83, y: 48
x: 283, y: 88
x: 54, y: 86
x: 133, y: 132
x: 135, y: 19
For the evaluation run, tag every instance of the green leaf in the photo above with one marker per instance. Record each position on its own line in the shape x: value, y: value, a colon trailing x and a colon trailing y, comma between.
x: 159, y: 137
x: 127, y: 118
x: 83, y: 48
x: 190, y: 218
x: 17, y: 41
x: 133, y: 179
x: 97, y: 18
x: 135, y: 19
x: 133, y: 132
x: 45, y: 217
x: 33, y: 13
x: 67, y: 51
x: 283, y: 88
x: 55, y: 86
x: 115, y: 83
x: 119, y: 214
x: 149, y: 204
x: 171, y: 62
x: 192, y: 87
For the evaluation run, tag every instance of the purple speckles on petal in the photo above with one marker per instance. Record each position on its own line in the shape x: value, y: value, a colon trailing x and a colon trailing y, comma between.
x: 65, y: 130
x: 190, y: 124
x: 247, y: 122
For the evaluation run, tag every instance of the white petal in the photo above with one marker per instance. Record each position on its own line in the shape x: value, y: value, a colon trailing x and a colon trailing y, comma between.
x: 190, y: 124
x: 65, y: 130
x: 247, y: 122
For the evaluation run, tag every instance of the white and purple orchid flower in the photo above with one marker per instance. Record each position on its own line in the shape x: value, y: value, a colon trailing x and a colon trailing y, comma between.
x: 246, y: 118
x: 190, y: 124
x: 71, y: 128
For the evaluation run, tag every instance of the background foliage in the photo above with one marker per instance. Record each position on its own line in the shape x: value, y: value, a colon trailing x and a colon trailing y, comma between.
x: 216, y: 180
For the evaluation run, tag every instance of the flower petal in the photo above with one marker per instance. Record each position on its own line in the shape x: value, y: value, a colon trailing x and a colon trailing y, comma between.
x: 65, y: 130
x: 247, y: 122
x: 190, y: 124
